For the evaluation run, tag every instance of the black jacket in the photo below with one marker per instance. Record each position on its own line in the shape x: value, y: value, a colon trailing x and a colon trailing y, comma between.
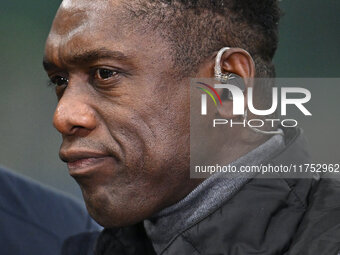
x: 267, y: 216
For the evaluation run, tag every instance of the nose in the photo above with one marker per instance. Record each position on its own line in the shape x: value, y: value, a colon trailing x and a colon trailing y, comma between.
x: 73, y: 115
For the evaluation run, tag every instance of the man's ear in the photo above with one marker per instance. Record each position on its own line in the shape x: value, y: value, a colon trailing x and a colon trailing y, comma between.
x: 233, y: 61
x: 239, y: 62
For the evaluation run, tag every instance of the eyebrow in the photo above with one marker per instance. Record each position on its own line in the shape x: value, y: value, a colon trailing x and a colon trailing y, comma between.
x: 88, y: 57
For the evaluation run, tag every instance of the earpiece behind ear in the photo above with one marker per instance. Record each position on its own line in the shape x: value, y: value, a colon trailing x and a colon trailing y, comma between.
x: 219, y: 75
x: 229, y: 77
x: 233, y: 61
x: 239, y: 70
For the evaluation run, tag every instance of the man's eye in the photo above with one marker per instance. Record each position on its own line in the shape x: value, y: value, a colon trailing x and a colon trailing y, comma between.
x: 104, y: 74
x: 59, y: 80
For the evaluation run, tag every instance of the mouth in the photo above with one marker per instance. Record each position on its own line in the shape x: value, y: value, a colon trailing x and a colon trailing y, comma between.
x: 85, y: 163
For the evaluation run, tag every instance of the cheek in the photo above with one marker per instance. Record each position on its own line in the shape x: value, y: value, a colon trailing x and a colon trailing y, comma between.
x: 150, y: 133
x: 153, y: 136
x: 171, y: 129
x: 149, y: 122
x: 127, y: 128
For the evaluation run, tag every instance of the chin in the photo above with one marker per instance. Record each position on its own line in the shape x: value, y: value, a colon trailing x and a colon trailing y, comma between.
x: 109, y: 212
x: 107, y: 220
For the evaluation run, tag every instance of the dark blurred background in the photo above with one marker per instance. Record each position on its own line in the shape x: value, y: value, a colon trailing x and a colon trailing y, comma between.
x: 309, y: 47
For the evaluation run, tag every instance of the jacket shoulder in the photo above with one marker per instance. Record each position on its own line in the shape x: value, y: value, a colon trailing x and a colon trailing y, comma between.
x: 319, y: 231
x: 35, y: 217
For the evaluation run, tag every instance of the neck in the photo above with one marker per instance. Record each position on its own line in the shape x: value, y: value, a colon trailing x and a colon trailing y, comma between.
x: 206, y: 197
x: 237, y: 143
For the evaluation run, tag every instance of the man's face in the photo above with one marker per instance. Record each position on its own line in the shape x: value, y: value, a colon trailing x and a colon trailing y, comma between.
x: 123, y: 117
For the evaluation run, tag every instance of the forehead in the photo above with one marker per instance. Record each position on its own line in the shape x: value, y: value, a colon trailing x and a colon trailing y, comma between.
x: 77, y: 14
x: 84, y: 25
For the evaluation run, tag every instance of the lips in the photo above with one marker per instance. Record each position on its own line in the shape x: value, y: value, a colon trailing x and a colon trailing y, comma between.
x: 82, y: 163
